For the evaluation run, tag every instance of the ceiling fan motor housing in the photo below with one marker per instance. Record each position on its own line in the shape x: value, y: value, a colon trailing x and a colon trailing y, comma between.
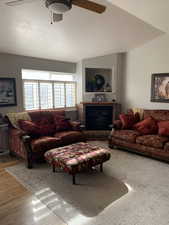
x: 60, y: 6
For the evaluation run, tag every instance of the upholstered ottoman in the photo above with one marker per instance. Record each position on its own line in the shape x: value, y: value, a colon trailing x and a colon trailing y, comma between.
x: 77, y: 157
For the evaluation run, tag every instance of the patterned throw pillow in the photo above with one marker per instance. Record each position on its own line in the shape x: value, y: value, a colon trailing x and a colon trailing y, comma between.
x: 147, y: 126
x: 163, y: 128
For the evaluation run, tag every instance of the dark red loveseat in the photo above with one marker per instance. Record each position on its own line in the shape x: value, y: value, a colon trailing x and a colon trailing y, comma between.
x: 33, y: 148
x: 152, y: 145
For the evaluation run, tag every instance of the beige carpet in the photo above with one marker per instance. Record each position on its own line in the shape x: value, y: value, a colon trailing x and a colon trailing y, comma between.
x: 133, y: 190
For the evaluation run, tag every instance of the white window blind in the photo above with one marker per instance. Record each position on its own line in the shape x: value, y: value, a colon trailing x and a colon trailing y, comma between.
x: 46, y: 96
x: 59, y: 93
x: 70, y: 94
x: 31, y: 95
x: 49, y: 94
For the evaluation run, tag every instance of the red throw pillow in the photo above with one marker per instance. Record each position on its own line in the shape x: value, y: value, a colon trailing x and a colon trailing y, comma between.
x: 163, y: 128
x: 127, y: 120
x: 147, y: 126
x: 29, y: 127
x: 62, y: 124
x: 41, y: 128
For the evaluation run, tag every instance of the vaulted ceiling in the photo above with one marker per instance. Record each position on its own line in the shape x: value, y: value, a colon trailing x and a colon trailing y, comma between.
x: 26, y: 30
x: 154, y: 12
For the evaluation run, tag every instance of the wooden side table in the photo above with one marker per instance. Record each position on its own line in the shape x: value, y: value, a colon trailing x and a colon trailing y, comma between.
x: 4, y: 146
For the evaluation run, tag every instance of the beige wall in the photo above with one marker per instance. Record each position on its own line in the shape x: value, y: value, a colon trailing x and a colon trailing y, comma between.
x: 140, y: 64
x: 11, y: 66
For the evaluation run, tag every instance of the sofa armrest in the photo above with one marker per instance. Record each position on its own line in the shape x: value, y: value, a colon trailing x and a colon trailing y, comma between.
x: 26, y: 138
x: 76, y: 125
x: 16, y: 132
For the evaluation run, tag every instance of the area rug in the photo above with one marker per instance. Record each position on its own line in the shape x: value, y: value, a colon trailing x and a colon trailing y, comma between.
x: 93, y: 193
x: 131, y: 190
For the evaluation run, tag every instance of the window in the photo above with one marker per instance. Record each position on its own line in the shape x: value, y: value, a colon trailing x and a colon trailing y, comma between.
x: 43, y: 93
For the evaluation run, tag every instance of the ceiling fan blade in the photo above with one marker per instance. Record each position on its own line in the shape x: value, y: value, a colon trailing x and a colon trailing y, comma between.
x: 18, y: 2
x: 95, y: 7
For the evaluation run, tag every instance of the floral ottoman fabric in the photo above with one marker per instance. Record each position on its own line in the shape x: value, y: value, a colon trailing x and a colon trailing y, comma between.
x: 76, y: 157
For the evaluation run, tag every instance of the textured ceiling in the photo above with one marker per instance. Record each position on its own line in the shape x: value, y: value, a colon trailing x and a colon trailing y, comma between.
x: 26, y: 30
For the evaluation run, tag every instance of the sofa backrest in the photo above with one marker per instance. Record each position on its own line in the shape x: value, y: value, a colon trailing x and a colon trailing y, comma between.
x: 38, y: 115
x: 157, y: 114
x: 35, y: 116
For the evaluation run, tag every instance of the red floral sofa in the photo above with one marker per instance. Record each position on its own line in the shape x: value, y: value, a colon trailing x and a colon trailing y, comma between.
x: 32, y: 147
x: 152, y: 145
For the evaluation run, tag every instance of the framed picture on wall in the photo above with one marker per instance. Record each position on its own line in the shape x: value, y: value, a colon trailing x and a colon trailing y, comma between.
x: 160, y: 87
x: 98, y: 80
x: 7, y: 92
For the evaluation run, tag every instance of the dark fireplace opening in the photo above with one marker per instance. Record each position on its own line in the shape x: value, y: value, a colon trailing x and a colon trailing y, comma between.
x: 98, y: 117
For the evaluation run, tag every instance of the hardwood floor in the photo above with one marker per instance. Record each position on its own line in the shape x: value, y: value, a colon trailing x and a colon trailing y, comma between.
x: 18, y: 206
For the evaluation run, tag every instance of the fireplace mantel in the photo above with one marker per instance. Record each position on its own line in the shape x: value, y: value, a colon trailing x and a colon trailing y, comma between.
x: 98, y: 103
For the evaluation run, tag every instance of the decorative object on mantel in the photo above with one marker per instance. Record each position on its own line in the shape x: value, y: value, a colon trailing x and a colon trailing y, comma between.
x: 160, y: 87
x: 99, y: 98
x: 7, y: 92
x: 98, y: 80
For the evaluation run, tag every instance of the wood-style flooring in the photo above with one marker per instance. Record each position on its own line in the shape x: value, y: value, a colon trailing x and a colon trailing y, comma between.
x: 18, y: 206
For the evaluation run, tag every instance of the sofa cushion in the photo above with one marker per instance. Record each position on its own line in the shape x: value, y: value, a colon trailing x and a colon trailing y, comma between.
x: 155, y: 141
x: 163, y: 128
x: 127, y: 135
x: 147, y: 126
x: 45, y: 143
x: 47, y: 127
x: 68, y: 137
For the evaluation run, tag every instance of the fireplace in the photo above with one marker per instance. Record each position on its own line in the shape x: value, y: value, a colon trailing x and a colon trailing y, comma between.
x: 98, y: 116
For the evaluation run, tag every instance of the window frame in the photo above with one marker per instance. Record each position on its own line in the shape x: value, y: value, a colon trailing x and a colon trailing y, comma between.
x: 53, y: 100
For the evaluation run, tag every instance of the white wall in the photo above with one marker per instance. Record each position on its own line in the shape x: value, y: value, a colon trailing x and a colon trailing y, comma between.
x: 113, y: 62
x: 153, y: 57
x: 11, y: 66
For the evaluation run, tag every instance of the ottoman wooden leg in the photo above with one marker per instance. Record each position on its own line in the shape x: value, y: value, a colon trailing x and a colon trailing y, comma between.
x: 53, y: 167
x: 101, y: 167
x: 73, y: 179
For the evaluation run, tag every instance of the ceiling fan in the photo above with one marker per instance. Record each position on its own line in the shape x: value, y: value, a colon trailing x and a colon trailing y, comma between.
x: 59, y: 7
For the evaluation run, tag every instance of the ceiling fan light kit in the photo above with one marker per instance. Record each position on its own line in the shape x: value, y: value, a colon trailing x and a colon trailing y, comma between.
x: 58, y: 6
